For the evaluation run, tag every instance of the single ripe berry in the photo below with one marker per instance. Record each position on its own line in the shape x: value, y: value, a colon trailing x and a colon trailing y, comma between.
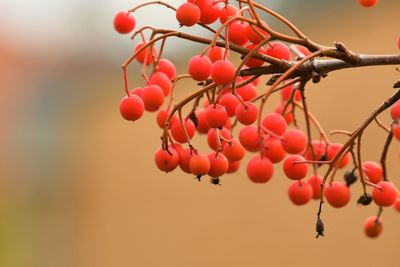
x: 373, y: 227
x: 395, y: 110
x: 253, y: 62
x: 233, y: 150
x: 166, y: 160
x: 218, y: 164
x: 294, y: 170
x: 337, y: 194
x: 200, y: 67
x: 230, y: 102
x: 386, y: 195
x: 202, y: 127
x: 278, y: 50
x: 233, y: 166
x: 255, y: 37
x: 161, y: 79
x: 315, y: 182
x: 162, y: 117
x: 272, y: 149
x: 368, y: 3
x: 178, y: 133
x: 209, y: 13
x: 373, y: 171
x: 226, y: 12
x: 333, y: 149
x: 247, y: 92
x: 124, y: 22
x: 287, y: 92
x: 145, y: 54
x: 396, y: 204
x: 212, y: 137
x: 249, y: 138
x: 246, y: 113
x: 153, y: 97
x: 199, y: 165
x: 188, y: 14
x: 222, y: 72
x: 260, y: 170
x: 237, y: 33
x: 294, y: 141
x: 275, y: 123
x: 167, y: 67
x: 184, y: 159
x: 215, y: 116
x: 216, y: 53
x: 131, y: 108
x: 300, y: 192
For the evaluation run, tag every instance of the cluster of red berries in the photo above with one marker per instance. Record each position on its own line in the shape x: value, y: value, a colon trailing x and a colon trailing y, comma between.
x: 232, y: 102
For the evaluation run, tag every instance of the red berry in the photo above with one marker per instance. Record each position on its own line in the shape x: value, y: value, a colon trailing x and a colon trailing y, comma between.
x: 142, y: 55
x: 137, y: 91
x: 222, y: 72
x: 373, y: 171
x: 294, y: 141
x: 253, y: 62
x: 278, y: 50
x: 303, y: 50
x: 249, y: 138
x: 237, y: 33
x: 184, y: 159
x: 161, y: 79
x: 209, y: 13
x: 368, y: 3
x: 229, y: 102
x: 200, y: 3
x: 178, y: 133
x: 167, y: 67
x: 286, y: 93
x: 124, y: 22
x: 288, y: 113
x: 275, y: 123
x: 315, y: 182
x: 337, y: 194
x: 200, y: 67
x: 273, y: 150
x: 395, y: 111
x: 260, y: 170
x: 131, y: 108
x: 253, y: 36
x: 153, y: 97
x: 218, y: 164
x: 300, y: 192
x: 216, y: 53
x: 246, y: 113
x: 166, y: 161
x: 396, y: 204
x: 385, y: 196
x: 233, y: 166
x: 162, y: 117
x: 202, y: 127
x: 233, y: 150
x: 293, y: 170
x: 199, y: 164
x: 226, y: 12
x: 248, y: 92
x: 212, y: 137
x: 215, y: 116
x: 188, y: 14
x: 333, y: 149
x: 373, y: 227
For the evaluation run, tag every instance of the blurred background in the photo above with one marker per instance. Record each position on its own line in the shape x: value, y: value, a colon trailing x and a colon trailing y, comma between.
x: 78, y: 183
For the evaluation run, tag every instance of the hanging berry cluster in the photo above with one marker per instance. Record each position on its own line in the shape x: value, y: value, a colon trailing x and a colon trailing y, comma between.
x: 227, y: 97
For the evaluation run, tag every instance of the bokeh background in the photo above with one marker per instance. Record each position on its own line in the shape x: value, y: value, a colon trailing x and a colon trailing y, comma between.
x: 78, y: 183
